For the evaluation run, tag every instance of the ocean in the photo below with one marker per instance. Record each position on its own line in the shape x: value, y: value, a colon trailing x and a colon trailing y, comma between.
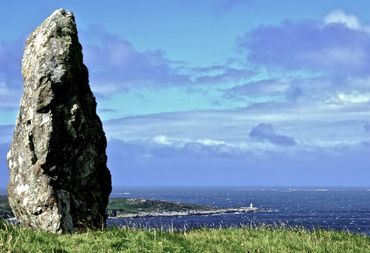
x: 346, y: 209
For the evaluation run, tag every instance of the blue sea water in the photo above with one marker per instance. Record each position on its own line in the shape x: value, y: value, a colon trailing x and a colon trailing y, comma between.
x: 346, y: 209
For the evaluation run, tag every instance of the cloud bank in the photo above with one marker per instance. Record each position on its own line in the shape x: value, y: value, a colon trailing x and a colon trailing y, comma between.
x: 334, y: 47
x: 10, y: 73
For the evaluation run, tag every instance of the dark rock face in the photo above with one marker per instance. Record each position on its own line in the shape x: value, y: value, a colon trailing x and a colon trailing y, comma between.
x: 59, y: 180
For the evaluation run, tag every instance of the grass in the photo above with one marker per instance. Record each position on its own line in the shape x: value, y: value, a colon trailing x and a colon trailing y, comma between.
x: 263, y: 239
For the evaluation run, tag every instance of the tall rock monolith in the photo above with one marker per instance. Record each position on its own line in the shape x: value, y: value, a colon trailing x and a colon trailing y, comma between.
x: 59, y: 180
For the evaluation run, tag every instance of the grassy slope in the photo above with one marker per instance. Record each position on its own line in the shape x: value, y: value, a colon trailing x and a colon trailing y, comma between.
x: 204, y: 240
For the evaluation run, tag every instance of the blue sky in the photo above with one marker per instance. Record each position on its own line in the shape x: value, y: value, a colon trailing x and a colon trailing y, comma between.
x: 216, y: 92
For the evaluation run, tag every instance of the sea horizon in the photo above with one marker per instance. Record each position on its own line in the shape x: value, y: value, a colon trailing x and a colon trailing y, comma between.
x: 117, y: 189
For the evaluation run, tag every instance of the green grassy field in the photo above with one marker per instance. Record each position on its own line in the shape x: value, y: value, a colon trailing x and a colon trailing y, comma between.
x: 264, y: 239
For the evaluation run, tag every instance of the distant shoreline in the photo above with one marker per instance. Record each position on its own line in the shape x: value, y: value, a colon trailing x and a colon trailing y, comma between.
x: 141, y: 208
x: 216, y: 211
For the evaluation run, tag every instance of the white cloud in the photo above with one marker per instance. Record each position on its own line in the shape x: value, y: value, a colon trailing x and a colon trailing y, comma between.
x: 348, y: 20
x: 181, y: 142
x: 340, y: 17
x: 162, y: 140
x: 210, y: 142
x: 354, y: 97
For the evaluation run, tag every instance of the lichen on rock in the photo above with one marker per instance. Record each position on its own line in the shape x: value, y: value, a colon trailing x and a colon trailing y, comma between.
x: 59, y: 180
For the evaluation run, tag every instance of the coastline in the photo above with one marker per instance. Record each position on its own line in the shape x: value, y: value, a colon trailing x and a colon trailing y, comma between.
x: 141, y: 208
x: 216, y: 211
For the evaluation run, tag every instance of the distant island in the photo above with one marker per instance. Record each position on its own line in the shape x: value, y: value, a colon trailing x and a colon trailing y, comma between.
x: 131, y: 208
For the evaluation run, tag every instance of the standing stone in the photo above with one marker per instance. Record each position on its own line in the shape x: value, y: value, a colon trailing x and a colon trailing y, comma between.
x: 59, y: 181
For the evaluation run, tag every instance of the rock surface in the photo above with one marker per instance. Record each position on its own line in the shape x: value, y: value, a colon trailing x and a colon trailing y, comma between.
x: 59, y: 181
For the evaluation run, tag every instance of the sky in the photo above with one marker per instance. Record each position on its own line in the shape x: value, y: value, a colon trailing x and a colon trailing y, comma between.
x: 215, y: 92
